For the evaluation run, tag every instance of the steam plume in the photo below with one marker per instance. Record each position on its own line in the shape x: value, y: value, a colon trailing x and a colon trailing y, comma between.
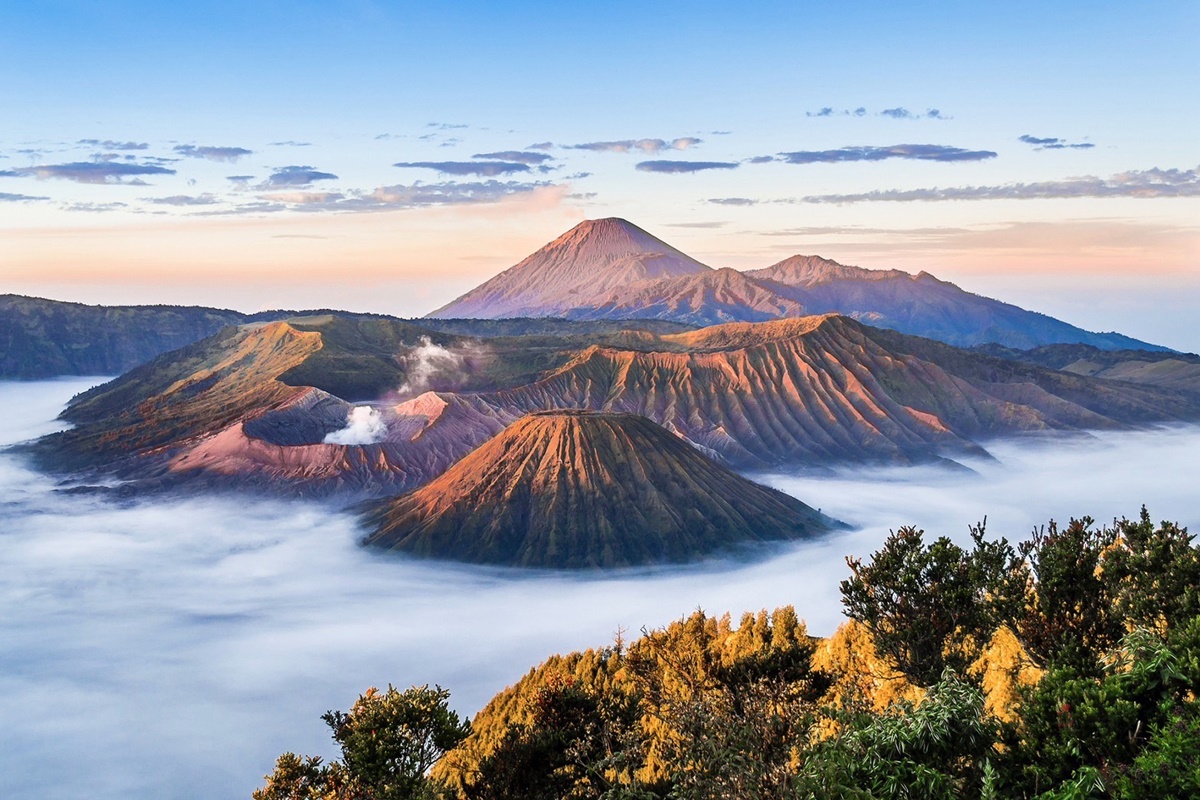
x: 364, y: 425
x: 424, y: 362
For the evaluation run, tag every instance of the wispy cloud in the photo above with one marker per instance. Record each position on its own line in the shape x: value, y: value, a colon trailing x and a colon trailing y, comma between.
x: 680, y: 167
x: 290, y: 143
x: 385, y: 198
x: 1054, y: 143
x: 295, y: 177
x: 109, y: 144
x: 487, y: 169
x: 95, y: 208
x: 8, y: 197
x: 228, y: 154
x: 184, y: 200
x: 304, y: 198
x: 519, y: 156
x: 903, y: 113
x: 696, y: 224
x: 921, y: 152
x: 540, y: 146
x: 450, y: 193
x: 1151, y: 183
x: 644, y: 145
x: 899, y: 112
x: 446, y: 126
x: 108, y: 172
x: 733, y: 201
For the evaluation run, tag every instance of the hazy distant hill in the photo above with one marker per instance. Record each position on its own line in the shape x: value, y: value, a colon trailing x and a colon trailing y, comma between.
x: 924, y: 306
x: 572, y: 489
x: 44, y: 338
x: 612, y: 269
x: 1167, y: 369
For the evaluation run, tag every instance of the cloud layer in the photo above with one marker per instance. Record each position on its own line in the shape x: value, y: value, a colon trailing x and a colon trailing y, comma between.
x: 680, y: 167
x: 295, y: 176
x: 134, y: 631
x: 93, y: 172
x: 487, y: 169
x: 1054, y: 143
x: 1151, y: 183
x: 227, y: 154
x: 920, y: 152
x: 629, y: 145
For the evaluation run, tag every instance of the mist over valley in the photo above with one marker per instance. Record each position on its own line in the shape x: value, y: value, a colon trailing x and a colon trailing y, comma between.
x: 167, y: 642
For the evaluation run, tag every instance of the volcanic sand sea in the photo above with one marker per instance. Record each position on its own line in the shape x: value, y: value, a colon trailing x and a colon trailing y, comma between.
x: 171, y: 648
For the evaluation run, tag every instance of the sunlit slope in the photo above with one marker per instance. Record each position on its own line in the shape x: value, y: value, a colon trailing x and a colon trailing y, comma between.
x: 575, y: 489
x: 594, y: 257
x: 821, y: 390
x: 255, y: 403
x: 707, y: 298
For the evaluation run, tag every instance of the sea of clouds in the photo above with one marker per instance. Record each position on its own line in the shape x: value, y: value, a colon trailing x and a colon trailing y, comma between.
x: 171, y: 648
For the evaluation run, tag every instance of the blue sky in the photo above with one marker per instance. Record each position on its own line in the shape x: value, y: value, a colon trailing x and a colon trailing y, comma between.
x: 883, y: 134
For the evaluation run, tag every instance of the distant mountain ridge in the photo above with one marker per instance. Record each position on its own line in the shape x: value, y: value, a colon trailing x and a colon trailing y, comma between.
x: 611, y: 269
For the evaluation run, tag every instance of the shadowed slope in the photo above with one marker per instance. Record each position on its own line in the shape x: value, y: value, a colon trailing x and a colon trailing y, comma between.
x: 571, y: 489
x: 44, y: 338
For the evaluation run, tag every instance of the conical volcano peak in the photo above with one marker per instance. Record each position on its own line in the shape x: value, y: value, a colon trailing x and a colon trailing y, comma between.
x: 572, y: 489
x: 576, y: 269
x: 612, y: 235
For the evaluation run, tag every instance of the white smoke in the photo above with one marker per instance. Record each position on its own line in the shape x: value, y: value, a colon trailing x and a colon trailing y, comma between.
x: 364, y: 425
x: 424, y: 362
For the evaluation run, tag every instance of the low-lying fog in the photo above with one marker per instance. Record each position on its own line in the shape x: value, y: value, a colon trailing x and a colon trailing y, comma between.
x: 171, y: 649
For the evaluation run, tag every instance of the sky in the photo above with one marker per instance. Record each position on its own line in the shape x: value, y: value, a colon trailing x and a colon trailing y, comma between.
x: 383, y: 156
x: 172, y: 647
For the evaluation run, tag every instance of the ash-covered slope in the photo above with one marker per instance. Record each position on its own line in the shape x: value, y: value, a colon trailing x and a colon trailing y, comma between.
x: 571, y: 489
x: 708, y: 298
x: 591, y: 259
x: 816, y: 390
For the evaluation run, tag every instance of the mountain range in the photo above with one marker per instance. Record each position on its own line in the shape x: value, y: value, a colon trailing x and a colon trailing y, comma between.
x: 579, y: 410
x: 612, y: 269
x: 259, y: 403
